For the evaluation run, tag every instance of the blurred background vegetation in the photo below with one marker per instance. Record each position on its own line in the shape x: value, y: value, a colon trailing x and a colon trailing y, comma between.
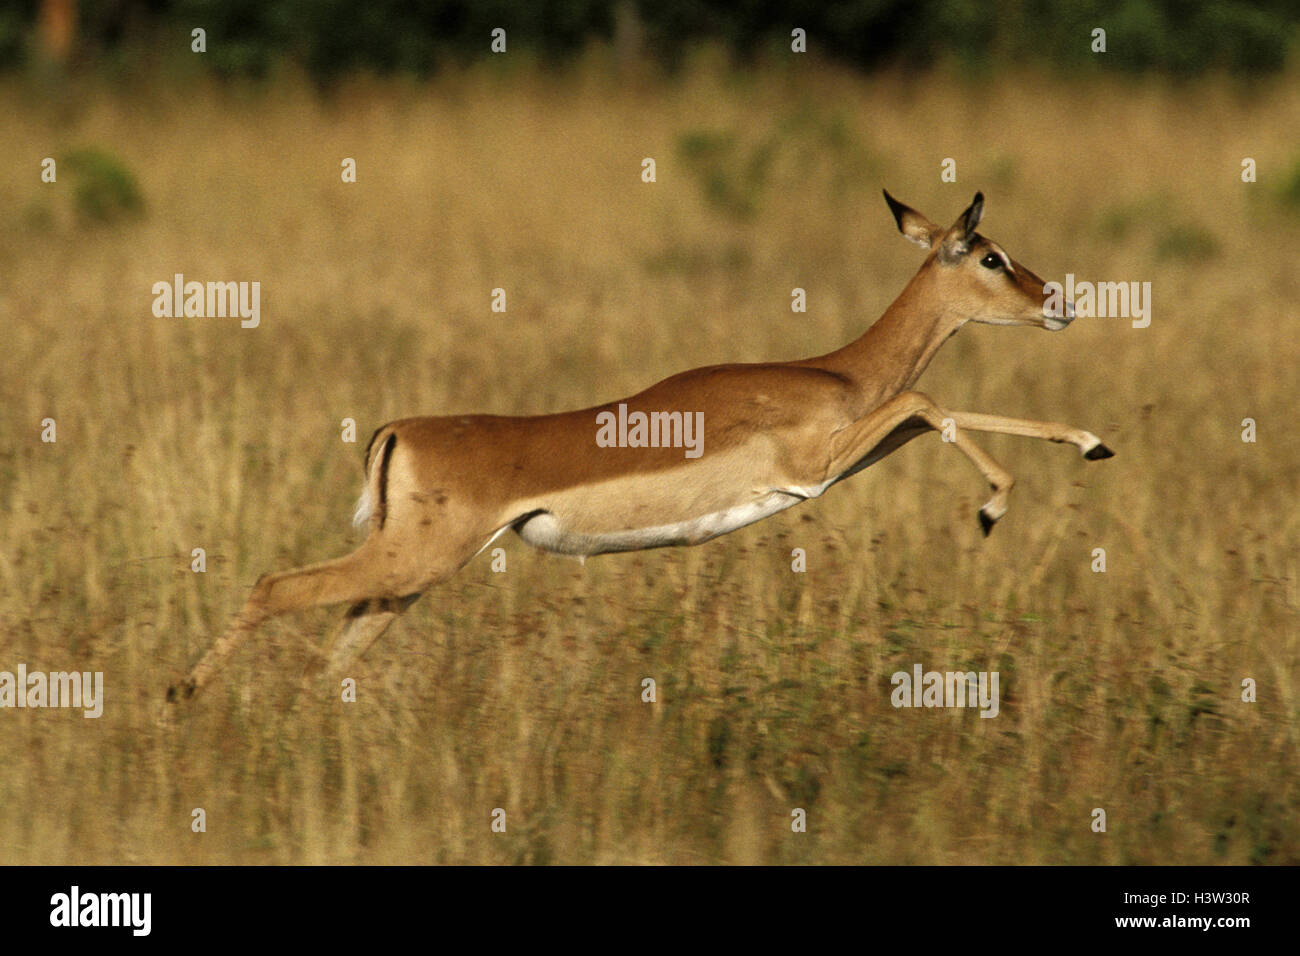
x: 332, y: 37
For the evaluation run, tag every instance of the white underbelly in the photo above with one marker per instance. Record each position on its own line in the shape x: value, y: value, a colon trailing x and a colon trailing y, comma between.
x: 547, y: 532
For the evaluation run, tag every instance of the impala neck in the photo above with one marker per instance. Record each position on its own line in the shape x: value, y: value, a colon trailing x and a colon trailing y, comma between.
x: 891, y: 355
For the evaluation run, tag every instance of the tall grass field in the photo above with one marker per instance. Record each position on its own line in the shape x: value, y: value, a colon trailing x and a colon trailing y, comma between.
x: 1163, y: 690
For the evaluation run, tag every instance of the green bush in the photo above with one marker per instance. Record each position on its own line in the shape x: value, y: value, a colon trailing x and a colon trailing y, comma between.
x: 1290, y: 190
x: 106, y: 190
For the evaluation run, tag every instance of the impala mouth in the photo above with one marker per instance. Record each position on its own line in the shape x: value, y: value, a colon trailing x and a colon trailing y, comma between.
x: 1055, y: 323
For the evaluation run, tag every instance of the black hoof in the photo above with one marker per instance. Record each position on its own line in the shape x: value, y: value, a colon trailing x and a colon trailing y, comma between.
x: 1098, y: 451
x: 171, y: 694
x: 986, y: 522
x: 175, y: 693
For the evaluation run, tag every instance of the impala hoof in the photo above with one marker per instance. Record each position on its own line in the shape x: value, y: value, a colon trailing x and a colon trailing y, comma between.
x: 1098, y: 451
x: 176, y: 692
x: 987, y: 521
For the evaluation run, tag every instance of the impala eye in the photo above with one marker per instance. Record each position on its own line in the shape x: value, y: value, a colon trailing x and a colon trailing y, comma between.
x: 991, y: 261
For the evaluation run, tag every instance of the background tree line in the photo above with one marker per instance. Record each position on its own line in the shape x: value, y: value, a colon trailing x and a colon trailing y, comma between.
x: 330, y: 37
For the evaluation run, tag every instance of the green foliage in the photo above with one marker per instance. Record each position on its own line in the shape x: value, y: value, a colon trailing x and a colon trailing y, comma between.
x: 1186, y: 38
x: 1290, y: 191
x: 738, y: 170
x: 1156, y: 219
x: 11, y: 38
x: 37, y: 216
x: 106, y: 190
x: 1186, y: 241
x: 730, y: 177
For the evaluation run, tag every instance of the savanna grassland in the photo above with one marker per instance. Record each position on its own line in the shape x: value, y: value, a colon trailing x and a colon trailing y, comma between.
x: 521, y: 690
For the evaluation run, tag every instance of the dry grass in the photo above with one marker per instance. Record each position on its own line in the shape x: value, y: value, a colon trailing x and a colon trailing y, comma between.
x: 522, y: 690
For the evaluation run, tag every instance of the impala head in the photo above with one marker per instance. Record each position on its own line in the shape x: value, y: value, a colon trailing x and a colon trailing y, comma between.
x: 973, y: 275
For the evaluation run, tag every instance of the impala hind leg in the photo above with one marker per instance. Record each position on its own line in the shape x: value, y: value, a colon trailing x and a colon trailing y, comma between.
x: 897, y: 422
x: 363, y: 625
x: 369, y: 572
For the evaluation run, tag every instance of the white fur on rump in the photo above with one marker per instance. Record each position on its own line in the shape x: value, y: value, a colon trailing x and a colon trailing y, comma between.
x: 362, y: 513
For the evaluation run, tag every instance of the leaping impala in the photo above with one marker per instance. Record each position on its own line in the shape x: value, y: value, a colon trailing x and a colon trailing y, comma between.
x: 438, y: 491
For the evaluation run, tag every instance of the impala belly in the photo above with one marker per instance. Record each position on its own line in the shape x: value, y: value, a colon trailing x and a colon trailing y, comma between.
x: 549, y: 532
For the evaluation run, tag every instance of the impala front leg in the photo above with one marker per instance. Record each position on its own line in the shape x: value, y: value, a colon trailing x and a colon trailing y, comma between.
x: 898, y: 421
x: 1086, y: 442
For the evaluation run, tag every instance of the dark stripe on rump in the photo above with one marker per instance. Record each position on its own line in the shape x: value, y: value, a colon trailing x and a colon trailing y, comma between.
x: 386, y: 455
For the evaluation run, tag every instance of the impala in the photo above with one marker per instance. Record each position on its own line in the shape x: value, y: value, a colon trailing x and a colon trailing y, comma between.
x: 438, y: 491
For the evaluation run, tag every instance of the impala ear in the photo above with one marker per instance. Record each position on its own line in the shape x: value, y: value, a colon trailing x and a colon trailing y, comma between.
x: 912, y: 224
x: 959, y: 238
